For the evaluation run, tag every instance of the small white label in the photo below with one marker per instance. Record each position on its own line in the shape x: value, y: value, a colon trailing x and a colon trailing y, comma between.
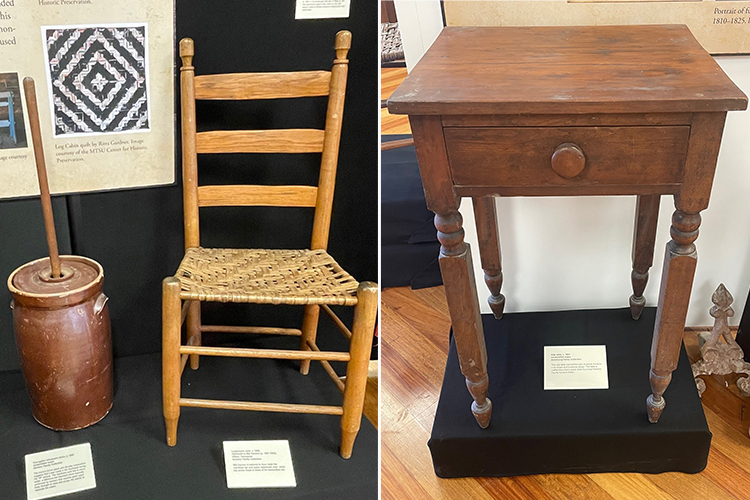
x: 259, y: 464
x: 59, y: 471
x: 321, y: 9
x: 575, y: 367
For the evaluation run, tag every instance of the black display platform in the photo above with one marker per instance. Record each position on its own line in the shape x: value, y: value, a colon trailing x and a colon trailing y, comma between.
x: 534, y: 431
x: 132, y: 460
x: 408, y: 243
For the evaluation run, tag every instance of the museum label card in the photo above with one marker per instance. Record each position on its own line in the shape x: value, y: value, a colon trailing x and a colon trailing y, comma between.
x: 59, y: 471
x: 259, y: 464
x: 575, y: 367
x: 321, y: 9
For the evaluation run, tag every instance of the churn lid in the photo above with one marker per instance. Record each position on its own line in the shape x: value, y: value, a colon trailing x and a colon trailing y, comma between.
x: 32, y: 284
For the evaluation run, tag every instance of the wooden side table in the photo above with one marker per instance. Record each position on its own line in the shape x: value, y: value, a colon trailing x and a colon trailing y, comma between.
x: 567, y: 111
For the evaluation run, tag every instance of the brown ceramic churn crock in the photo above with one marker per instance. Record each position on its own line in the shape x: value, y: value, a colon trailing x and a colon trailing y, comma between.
x: 64, y: 341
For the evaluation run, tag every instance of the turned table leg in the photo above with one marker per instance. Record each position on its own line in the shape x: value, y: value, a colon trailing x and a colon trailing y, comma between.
x: 674, y: 296
x: 646, y: 218
x: 489, y: 251
x: 463, y: 304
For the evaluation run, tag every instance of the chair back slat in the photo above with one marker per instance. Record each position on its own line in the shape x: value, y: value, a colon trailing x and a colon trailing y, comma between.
x: 248, y: 86
x: 257, y: 196
x: 241, y: 86
x: 261, y: 141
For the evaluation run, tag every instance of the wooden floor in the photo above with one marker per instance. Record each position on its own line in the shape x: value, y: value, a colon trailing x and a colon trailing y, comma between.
x: 390, y: 78
x: 414, y: 348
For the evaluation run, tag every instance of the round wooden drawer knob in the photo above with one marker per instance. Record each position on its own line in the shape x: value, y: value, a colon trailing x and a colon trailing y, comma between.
x: 568, y: 160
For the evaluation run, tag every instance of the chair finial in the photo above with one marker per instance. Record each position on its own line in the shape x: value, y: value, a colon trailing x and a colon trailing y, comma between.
x: 187, y: 51
x: 343, y: 44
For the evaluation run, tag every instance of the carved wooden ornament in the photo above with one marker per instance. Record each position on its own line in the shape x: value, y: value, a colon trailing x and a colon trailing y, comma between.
x: 721, y: 358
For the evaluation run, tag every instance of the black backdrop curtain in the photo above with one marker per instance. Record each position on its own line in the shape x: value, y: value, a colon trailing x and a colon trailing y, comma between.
x: 137, y: 234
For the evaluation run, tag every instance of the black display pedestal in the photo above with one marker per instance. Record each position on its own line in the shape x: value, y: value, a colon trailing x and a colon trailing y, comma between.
x: 534, y: 431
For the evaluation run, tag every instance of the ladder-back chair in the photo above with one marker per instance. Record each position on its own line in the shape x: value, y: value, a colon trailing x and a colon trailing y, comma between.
x: 310, y: 278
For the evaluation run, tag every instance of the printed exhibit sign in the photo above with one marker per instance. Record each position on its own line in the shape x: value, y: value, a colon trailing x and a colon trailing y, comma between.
x: 575, y: 367
x: 259, y: 464
x: 60, y: 471
x: 721, y: 27
x: 321, y: 9
x: 104, y: 76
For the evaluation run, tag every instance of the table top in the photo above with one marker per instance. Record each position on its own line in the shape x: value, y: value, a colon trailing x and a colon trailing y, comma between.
x: 555, y: 70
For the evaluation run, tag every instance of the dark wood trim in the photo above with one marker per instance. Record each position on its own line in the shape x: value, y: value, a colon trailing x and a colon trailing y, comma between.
x: 388, y: 12
x: 642, y: 189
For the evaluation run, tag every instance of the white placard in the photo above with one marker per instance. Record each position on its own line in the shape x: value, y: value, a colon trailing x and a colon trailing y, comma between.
x: 59, y: 471
x: 259, y: 464
x: 321, y: 9
x: 575, y: 367
x: 104, y: 85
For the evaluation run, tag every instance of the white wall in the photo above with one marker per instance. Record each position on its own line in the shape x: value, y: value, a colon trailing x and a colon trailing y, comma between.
x: 574, y: 253
x: 420, y: 22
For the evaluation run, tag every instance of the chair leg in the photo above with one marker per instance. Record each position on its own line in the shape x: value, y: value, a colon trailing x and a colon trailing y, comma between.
x: 194, y: 330
x: 365, y: 315
x: 309, y: 332
x: 171, y: 328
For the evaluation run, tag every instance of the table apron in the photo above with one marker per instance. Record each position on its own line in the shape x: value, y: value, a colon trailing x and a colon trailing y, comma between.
x: 522, y: 157
x: 582, y: 190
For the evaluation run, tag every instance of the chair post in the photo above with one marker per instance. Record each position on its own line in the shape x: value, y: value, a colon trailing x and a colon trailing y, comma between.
x: 330, y: 157
x: 309, y: 333
x: 194, y: 336
x: 327, y: 179
x: 171, y: 328
x: 365, y: 315
x: 189, y: 155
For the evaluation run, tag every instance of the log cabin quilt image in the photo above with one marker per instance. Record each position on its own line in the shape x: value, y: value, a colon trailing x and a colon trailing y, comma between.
x: 97, y: 78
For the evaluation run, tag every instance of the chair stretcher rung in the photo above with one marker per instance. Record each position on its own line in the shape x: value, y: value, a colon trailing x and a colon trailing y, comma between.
x: 237, y: 352
x: 327, y: 367
x: 337, y: 321
x: 253, y: 406
x: 185, y: 309
x: 251, y: 329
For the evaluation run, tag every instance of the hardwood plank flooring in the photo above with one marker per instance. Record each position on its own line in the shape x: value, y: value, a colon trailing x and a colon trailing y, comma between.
x: 370, y: 409
x: 390, y: 79
x: 414, y: 343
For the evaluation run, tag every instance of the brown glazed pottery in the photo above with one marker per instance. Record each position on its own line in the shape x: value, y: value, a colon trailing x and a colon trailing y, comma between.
x: 64, y: 341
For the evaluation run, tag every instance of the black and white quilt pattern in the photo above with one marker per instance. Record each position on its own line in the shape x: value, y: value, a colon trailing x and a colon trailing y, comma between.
x: 97, y: 79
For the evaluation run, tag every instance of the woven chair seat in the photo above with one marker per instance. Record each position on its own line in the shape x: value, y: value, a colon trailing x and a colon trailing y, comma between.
x: 265, y: 277
x: 391, y: 47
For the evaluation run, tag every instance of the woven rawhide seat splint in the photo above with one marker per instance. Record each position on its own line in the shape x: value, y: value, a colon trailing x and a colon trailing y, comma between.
x: 265, y: 277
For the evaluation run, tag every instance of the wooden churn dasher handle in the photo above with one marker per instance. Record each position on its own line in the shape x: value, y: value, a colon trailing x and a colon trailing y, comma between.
x: 41, y: 170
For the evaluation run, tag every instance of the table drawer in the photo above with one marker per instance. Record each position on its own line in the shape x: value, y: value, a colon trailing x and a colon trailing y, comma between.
x: 522, y: 156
